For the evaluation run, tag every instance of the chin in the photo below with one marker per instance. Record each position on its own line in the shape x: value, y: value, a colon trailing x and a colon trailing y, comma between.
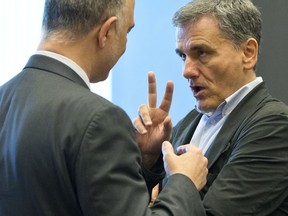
x: 100, y: 77
x: 205, y: 109
x: 105, y: 76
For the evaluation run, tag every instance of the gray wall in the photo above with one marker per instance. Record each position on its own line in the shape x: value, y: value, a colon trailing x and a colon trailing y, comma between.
x: 273, y: 62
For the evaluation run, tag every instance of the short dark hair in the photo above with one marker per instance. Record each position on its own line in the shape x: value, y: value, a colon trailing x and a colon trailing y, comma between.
x: 76, y: 17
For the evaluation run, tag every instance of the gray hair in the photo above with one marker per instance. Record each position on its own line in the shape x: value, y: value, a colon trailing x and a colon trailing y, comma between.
x: 238, y: 20
x: 69, y: 19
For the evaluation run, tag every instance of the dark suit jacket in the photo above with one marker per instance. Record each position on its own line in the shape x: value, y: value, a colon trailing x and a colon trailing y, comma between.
x: 248, y: 160
x: 67, y: 151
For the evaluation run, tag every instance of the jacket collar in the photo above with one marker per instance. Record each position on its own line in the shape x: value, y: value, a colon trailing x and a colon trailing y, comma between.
x: 244, y: 109
x: 51, y: 65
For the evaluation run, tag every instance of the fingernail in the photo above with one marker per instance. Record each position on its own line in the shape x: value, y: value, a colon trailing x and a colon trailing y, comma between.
x: 149, y: 123
x: 164, y: 143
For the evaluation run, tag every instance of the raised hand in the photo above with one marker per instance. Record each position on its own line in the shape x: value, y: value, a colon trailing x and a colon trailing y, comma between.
x: 153, y: 125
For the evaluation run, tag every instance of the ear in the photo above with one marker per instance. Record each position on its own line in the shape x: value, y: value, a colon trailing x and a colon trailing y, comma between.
x: 250, y: 51
x: 105, y: 29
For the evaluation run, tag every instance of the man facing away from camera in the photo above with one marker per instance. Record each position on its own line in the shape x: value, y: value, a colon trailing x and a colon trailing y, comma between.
x: 67, y: 151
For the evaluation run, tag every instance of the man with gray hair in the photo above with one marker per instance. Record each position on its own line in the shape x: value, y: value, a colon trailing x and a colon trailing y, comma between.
x: 240, y: 127
x: 66, y: 151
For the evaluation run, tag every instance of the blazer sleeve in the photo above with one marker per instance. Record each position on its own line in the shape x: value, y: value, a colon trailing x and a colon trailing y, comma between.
x: 108, y: 177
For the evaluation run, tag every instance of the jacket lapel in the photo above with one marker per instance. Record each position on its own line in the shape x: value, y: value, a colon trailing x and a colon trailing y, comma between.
x: 186, y: 127
x: 247, y: 106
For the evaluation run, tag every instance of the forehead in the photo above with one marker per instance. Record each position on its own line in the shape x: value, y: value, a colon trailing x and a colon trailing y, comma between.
x: 205, y: 27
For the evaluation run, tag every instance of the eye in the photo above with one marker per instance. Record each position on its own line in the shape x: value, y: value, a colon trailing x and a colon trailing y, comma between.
x: 182, y: 56
x: 201, y: 53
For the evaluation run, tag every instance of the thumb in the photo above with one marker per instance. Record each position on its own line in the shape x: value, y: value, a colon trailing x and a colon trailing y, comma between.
x: 168, y: 156
x: 167, y: 149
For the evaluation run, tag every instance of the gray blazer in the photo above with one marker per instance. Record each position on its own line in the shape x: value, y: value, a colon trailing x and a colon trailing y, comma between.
x: 248, y: 161
x: 67, y: 151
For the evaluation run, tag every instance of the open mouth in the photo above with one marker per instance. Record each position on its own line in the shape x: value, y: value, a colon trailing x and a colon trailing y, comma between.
x: 197, y: 89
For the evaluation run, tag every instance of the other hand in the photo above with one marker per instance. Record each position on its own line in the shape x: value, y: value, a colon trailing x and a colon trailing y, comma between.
x: 191, y: 163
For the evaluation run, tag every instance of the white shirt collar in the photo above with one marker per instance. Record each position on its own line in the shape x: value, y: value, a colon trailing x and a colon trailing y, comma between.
x: 75, y: 67
x: 233, y: 100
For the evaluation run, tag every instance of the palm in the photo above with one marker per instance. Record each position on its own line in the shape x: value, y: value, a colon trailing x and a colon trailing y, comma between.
x: 150, y: 143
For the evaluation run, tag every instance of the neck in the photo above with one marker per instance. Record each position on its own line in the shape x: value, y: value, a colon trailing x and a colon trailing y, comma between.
x: 78, y: 51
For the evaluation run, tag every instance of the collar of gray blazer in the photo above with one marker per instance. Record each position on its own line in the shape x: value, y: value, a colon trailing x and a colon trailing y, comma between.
x: 51, y: 65
x: 245, y: 108
x: 222, y: 142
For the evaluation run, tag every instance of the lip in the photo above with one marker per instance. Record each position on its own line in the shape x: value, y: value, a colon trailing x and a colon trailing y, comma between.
x: 197, y: 90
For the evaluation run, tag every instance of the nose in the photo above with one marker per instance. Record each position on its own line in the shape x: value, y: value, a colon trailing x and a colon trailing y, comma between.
x: 190, y: 69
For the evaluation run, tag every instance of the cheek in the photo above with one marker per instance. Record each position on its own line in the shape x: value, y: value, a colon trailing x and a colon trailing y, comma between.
x: 217, y: 81
x: 223, y: 72
x: 123, y: 43
x: 224, y: 86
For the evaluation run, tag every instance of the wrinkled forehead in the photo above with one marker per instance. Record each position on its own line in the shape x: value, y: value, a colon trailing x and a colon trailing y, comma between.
x: 205, y: 25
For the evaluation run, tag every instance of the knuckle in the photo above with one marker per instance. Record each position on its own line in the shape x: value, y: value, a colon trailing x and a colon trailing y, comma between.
x: 141, y: 107
x: 135, y: 121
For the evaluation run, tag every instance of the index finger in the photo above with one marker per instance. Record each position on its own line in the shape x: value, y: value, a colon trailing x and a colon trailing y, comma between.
x: 152, y: 91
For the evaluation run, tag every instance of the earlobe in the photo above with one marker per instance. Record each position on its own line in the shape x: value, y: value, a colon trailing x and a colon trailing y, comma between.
x: 250, y: 53
x: 105, y: 30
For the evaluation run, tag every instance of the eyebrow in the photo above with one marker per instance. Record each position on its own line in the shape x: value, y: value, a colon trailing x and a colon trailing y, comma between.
x: 177, y: 51
x: 194, y: 47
